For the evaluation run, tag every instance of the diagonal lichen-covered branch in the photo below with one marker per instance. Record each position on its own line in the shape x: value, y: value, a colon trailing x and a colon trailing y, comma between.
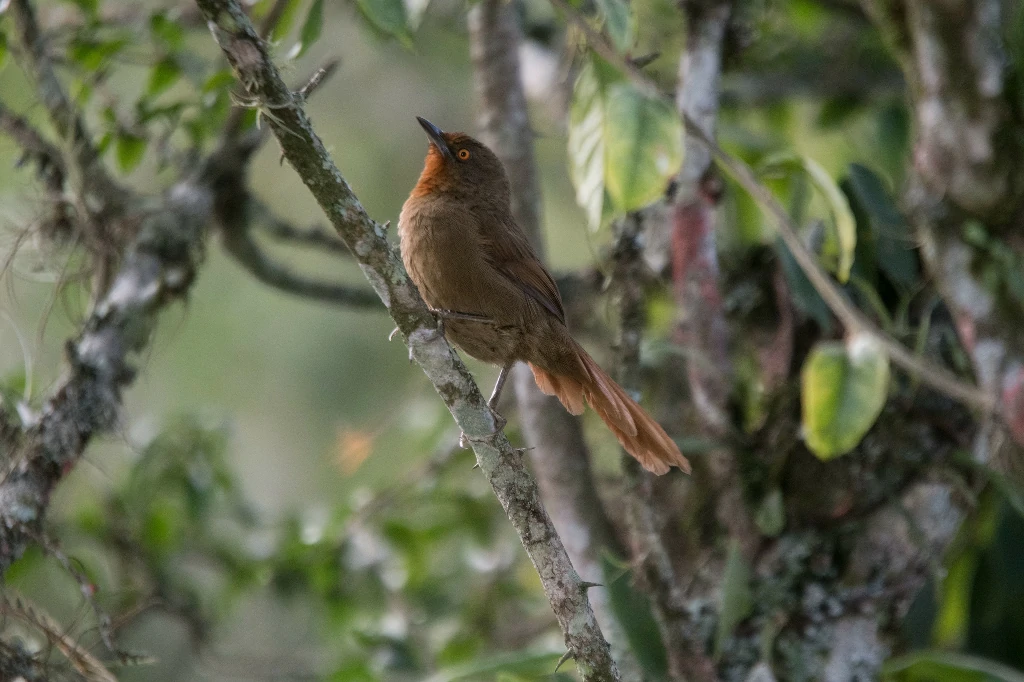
x: 499, y: 462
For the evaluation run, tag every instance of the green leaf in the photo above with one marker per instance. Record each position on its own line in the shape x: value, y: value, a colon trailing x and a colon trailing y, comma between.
x: 618, y: 22
x: 91, y: 54
x: 130, y: 150
x: 166, y: 31
x: 311, y: 28
x: 221, y: 80
x: 387, y: 16
x: 164, y: 74
x: 737, y: 598
x: 953, y: 619
x: 633, y: 611
x: 805, y: 296
x: 284, y: 24
x: 624, y: 147
x: 846, y: 226
x: 845, y: 242
x: 894, y: 244
x: 948, y: 665
x: 894, y: 124
x: 844, y: 387
x: 644, y: 148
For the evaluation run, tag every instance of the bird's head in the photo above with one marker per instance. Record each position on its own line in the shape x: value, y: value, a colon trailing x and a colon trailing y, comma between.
x: 458, y: 164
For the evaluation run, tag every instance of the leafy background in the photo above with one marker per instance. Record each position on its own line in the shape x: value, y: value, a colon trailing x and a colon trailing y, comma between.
x: 284, y: 487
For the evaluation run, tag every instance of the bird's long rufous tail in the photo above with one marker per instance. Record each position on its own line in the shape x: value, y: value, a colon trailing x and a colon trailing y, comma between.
x: 639, y: 434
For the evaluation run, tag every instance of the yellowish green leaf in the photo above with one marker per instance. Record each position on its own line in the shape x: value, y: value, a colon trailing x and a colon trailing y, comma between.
x: 844, y: 387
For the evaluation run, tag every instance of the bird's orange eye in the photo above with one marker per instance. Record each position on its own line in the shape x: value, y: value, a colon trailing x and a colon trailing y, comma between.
x: 463, y: 154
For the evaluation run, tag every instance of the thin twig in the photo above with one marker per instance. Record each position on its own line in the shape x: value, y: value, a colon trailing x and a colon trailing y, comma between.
x: 85, y: 587
x: 248, y: 253
x: 286, y: 232
x: 29, y: 139
x: 851, y: 318
x: 317, y: 79
x: 64, y: 116
x: 12, y: 604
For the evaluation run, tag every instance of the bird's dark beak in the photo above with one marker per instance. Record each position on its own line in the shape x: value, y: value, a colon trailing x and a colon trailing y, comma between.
x: 436, y: 136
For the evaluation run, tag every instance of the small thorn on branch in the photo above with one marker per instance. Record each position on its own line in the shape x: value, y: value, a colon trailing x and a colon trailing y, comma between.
x: 586, y: 585
x: 565, y: 657
x: 317, y: 79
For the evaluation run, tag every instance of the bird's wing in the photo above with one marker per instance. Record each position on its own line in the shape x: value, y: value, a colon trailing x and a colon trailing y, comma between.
x: 510, y: 253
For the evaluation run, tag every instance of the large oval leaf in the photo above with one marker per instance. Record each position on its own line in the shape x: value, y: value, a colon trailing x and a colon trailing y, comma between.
x: 624, y: 146
x: 737, y: 600
x: 643, y: 148
x: 844, y: 386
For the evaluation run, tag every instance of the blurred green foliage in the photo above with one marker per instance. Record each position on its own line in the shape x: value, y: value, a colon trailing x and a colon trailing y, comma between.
x: 288, y: 520
x: 423, y: 579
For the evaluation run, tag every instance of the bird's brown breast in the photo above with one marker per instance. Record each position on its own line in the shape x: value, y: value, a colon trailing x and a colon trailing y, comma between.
x: 442, y: 250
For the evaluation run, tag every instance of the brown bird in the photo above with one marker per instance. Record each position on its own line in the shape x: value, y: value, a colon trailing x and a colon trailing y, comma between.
x: 475, y: 267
